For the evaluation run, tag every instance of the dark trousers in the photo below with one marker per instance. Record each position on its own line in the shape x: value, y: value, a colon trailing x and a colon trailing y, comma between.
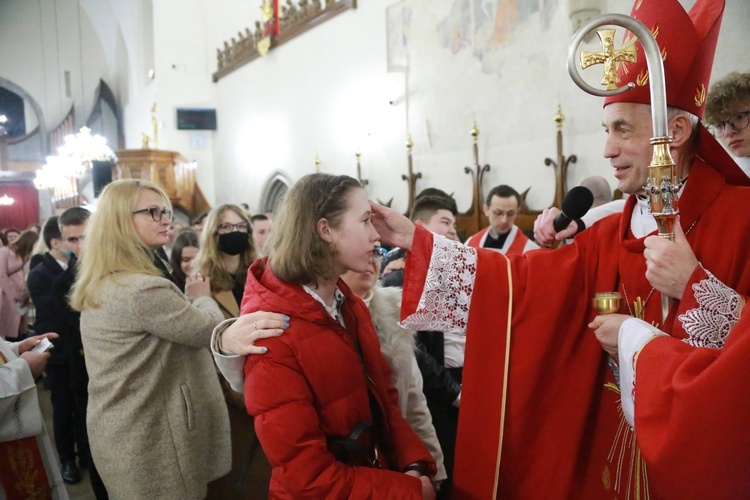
x: 79, y: 381
x: 445, y: 420
x: 69, y: 424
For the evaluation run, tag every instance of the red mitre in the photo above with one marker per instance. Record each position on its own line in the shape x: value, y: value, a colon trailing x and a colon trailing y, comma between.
x: 688, y: 44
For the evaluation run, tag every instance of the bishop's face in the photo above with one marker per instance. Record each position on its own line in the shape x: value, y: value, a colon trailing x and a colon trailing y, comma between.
x: 628, y: 147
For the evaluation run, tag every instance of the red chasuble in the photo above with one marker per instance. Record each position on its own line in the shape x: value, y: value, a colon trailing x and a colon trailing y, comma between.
x: 540, y: 414
x: 692, y: 415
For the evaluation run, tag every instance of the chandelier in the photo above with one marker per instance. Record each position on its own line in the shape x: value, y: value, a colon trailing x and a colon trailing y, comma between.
x: 74, y: 158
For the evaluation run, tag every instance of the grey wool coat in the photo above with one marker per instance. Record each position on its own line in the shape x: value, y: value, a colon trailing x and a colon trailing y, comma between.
x: 157, y: 421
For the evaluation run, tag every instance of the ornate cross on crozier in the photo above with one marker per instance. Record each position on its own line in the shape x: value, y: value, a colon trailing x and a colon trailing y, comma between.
x: 609, y: 56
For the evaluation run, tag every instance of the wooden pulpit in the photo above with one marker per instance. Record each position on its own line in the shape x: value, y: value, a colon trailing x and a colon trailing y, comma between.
x: 168, y: 169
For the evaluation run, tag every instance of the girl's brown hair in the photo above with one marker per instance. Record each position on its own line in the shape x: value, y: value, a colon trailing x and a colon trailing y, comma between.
x: 299, y: 254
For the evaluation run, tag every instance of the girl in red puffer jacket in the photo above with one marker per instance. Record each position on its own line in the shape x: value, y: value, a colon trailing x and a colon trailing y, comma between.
x: 324, y: 410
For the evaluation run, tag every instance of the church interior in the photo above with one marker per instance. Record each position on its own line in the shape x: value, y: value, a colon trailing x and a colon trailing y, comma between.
x: 234, y: 101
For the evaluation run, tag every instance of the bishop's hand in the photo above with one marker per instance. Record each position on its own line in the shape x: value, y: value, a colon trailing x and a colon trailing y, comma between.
x: 669, y: 264
x: 393, y: 227
x: 544, y: 228
x: 607, y: 328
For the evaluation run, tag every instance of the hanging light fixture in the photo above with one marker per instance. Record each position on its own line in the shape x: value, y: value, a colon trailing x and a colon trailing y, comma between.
x: 74, y: 158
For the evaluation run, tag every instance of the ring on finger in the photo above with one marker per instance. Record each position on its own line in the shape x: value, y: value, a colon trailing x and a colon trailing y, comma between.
x: 255, y: 325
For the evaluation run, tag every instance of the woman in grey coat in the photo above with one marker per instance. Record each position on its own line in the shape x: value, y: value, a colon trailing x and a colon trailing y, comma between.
x: 157, y: 421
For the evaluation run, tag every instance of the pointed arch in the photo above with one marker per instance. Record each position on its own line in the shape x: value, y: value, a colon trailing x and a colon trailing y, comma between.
x: 274, y: 191
x: 42, y: 125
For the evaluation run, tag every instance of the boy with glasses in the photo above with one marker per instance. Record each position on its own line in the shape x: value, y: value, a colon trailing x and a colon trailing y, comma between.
x: 728, y: 116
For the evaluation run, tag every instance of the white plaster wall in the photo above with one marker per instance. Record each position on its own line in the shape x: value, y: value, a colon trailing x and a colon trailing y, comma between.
x: 39, y: 41
x: 183, y: 80
x: 327, y: 93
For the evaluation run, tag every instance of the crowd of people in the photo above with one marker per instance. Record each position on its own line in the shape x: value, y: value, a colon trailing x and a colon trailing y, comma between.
x: 289, y: 355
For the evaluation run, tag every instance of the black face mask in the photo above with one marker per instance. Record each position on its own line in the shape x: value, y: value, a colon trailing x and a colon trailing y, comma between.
x: 234, y: 243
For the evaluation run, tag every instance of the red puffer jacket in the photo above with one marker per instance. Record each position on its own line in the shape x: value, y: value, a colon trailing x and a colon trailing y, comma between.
x: 310, y: 385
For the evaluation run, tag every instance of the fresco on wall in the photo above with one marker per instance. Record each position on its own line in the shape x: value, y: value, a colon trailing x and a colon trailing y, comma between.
x: 398, y: 19
x: 483, y: 27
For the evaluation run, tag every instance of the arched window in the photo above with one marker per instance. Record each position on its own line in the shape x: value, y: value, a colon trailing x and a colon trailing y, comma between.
x: 274, y: 192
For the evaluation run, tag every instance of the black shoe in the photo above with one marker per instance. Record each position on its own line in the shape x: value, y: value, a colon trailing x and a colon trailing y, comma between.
x: 70, y: 472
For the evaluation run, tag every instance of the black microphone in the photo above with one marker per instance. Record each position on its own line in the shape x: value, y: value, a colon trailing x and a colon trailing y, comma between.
x: 576, y: 203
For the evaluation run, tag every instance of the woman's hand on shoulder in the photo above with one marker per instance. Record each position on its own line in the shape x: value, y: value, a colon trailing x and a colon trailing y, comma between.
x: 241, y: 336
x: 197, y: 286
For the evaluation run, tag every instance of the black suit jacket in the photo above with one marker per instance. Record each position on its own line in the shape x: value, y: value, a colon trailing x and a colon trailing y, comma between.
x: 50, y: 310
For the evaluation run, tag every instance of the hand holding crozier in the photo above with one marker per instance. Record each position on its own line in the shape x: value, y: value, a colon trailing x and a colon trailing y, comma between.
x: 669, y: 264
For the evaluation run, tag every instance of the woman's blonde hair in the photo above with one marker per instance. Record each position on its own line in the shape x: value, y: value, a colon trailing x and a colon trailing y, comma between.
x: 298, y: 253
x: 209, y: 260
x: 112, y: 245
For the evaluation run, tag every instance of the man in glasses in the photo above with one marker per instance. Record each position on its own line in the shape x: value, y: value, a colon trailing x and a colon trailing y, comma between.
x: 728, y: 116
x: 502, y: 235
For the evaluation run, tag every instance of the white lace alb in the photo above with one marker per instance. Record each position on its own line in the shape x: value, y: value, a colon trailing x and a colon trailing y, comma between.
x: 719, y: 306
x: 446, y: 297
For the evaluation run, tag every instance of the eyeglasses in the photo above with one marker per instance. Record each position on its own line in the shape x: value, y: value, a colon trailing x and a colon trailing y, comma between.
x: 737, y: 122
x: 156, y: 213
x: 500, y: 213
x: 226, y: 227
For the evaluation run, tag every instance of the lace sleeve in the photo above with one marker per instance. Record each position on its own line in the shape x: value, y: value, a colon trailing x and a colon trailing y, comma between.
x: 719, y: 307
x: 445, y: 300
